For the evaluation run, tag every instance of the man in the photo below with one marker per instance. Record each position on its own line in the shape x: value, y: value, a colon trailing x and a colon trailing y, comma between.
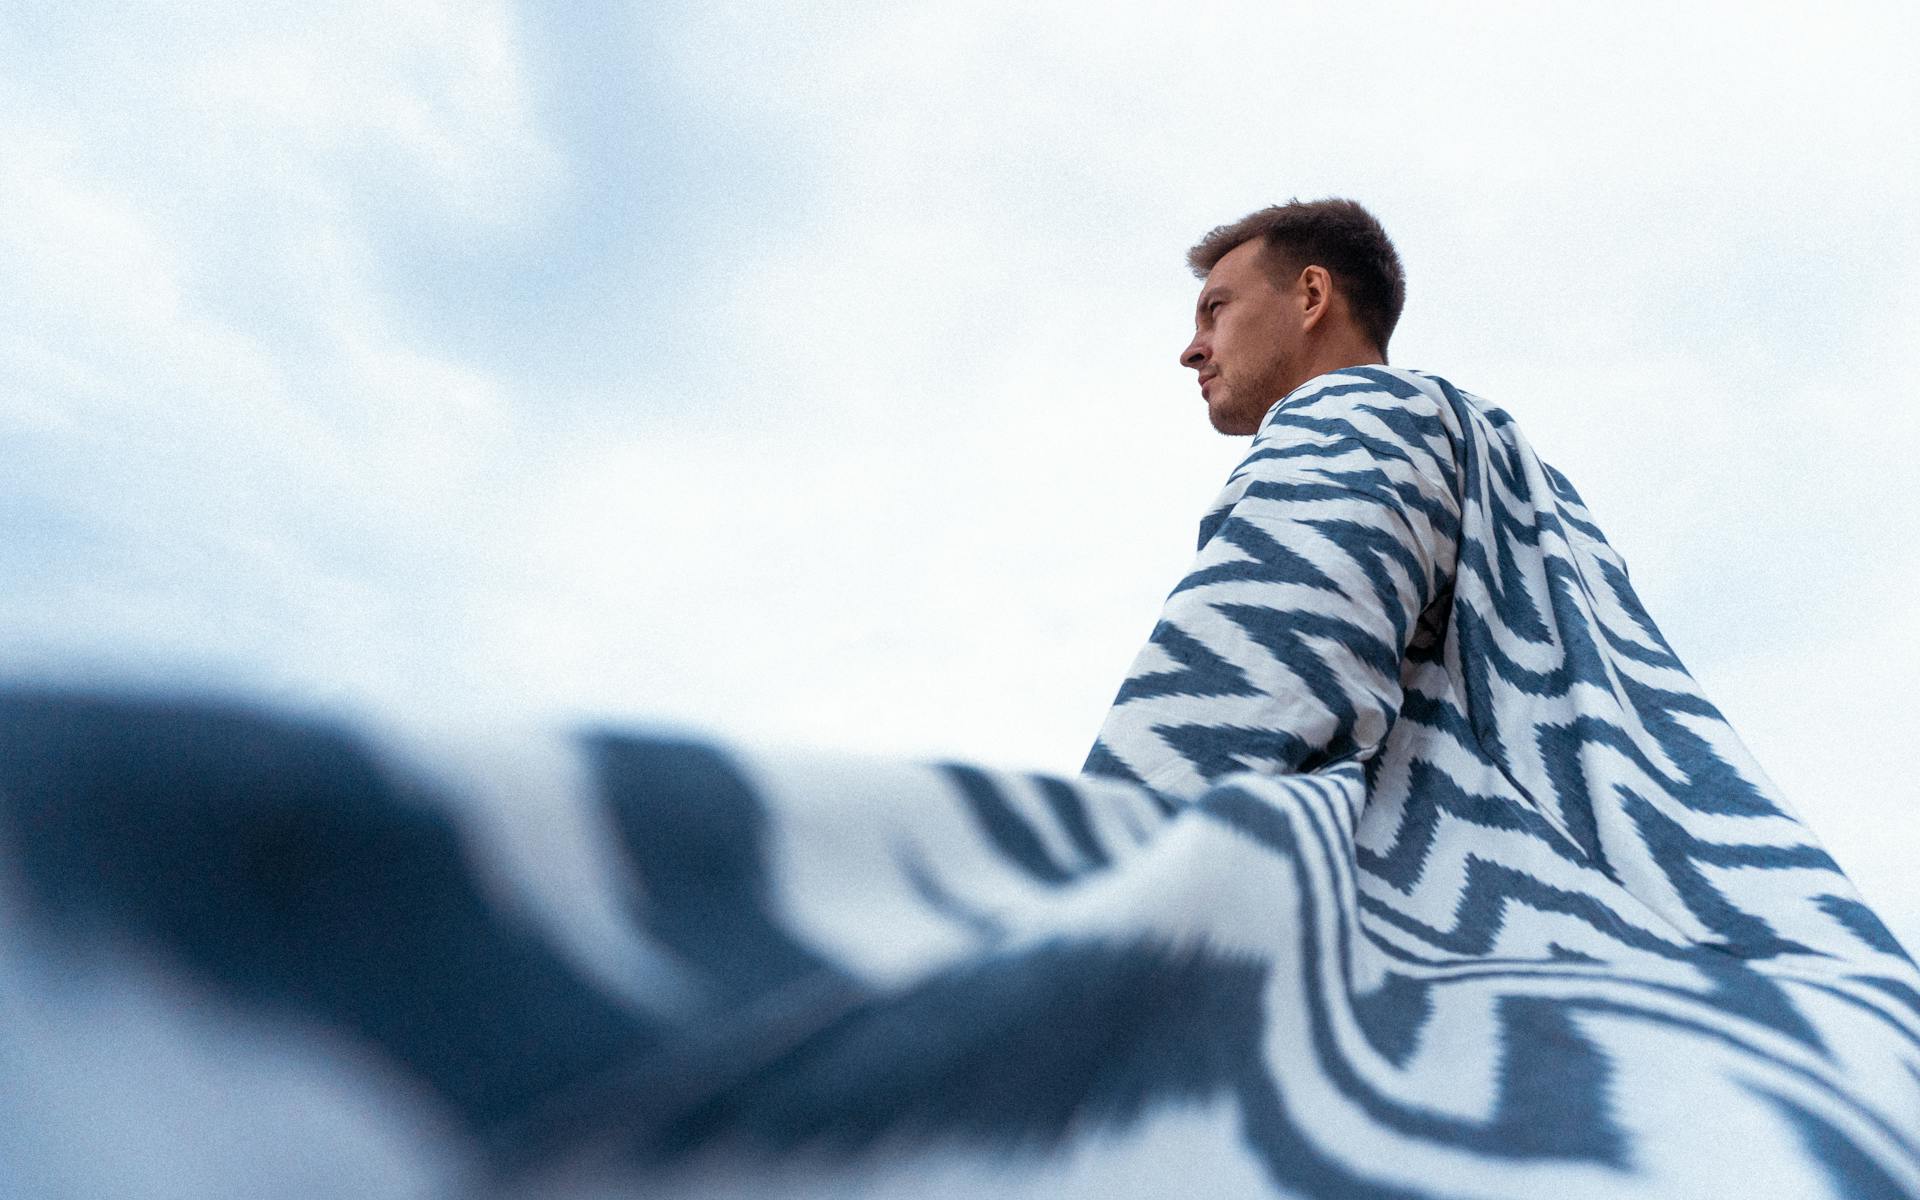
x: 1409, y: 863
x: 1396, y: 601
x: 1291, y: 293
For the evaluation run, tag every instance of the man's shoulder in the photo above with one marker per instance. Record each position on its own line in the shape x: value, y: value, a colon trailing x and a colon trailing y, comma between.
x: 1335, y: 404
x: 1358, y: 420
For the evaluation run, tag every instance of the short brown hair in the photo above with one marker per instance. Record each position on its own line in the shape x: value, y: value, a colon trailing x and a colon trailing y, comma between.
x: 1332, y: 233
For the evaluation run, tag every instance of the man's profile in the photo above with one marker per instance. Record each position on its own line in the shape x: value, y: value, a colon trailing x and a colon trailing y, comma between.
x: 1270, y: 316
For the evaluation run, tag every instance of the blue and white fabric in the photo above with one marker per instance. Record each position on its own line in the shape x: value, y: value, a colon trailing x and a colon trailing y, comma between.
x: 1409, y: 862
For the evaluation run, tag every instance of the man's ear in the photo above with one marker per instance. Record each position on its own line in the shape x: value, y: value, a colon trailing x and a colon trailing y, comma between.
x: 1316, y: 296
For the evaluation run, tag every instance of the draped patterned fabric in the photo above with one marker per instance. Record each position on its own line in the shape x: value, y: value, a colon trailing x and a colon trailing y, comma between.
x: 1410, y: 862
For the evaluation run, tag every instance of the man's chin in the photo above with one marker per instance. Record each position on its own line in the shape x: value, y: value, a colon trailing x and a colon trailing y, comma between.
x: 1229, y: 420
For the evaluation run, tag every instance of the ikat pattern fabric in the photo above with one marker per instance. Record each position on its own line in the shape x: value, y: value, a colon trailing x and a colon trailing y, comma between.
x: 1409, y: 862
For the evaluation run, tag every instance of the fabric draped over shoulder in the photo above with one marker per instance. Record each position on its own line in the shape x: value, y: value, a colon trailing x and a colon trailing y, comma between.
x: 1281, y: 649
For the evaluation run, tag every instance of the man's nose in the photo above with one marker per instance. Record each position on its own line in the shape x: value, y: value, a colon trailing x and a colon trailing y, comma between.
x: 1195, y: 355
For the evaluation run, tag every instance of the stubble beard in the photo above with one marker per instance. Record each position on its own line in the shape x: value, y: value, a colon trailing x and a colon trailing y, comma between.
x: 1243, y: 405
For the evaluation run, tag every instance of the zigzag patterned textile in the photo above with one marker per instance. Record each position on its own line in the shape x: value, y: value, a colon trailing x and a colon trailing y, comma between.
x: 1410, y: 862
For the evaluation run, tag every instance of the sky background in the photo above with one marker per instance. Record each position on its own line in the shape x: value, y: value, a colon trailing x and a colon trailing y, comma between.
x: 808, y: 373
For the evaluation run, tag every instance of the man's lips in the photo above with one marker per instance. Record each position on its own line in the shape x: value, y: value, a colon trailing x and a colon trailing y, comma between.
x: 1205, y: 381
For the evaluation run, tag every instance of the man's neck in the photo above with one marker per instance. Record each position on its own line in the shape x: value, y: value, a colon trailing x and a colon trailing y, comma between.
x: 1338, y: 357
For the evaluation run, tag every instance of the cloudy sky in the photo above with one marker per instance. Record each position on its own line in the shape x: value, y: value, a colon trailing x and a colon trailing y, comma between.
x: 808, y: 372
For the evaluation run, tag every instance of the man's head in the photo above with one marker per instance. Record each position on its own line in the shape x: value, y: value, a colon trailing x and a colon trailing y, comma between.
x: 1292, y: 291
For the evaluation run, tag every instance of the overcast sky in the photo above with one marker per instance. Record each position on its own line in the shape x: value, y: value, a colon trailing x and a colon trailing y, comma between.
x: 808, y: 373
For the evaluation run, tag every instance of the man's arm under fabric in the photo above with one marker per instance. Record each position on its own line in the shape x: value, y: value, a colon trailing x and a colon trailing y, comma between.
x: 1281, y: 649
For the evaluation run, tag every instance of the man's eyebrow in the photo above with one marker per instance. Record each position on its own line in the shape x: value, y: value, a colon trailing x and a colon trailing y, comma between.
x: 1212, y: 294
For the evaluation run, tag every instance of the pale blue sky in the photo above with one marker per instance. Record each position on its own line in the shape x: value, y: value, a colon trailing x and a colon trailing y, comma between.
x: 807, y: 373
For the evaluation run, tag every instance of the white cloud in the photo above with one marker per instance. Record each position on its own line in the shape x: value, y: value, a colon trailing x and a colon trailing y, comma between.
x: 221, y: 462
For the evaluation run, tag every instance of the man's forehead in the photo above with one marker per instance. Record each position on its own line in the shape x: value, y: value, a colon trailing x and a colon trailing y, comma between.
x: 1249, y: 257
x: 1237, y: 265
